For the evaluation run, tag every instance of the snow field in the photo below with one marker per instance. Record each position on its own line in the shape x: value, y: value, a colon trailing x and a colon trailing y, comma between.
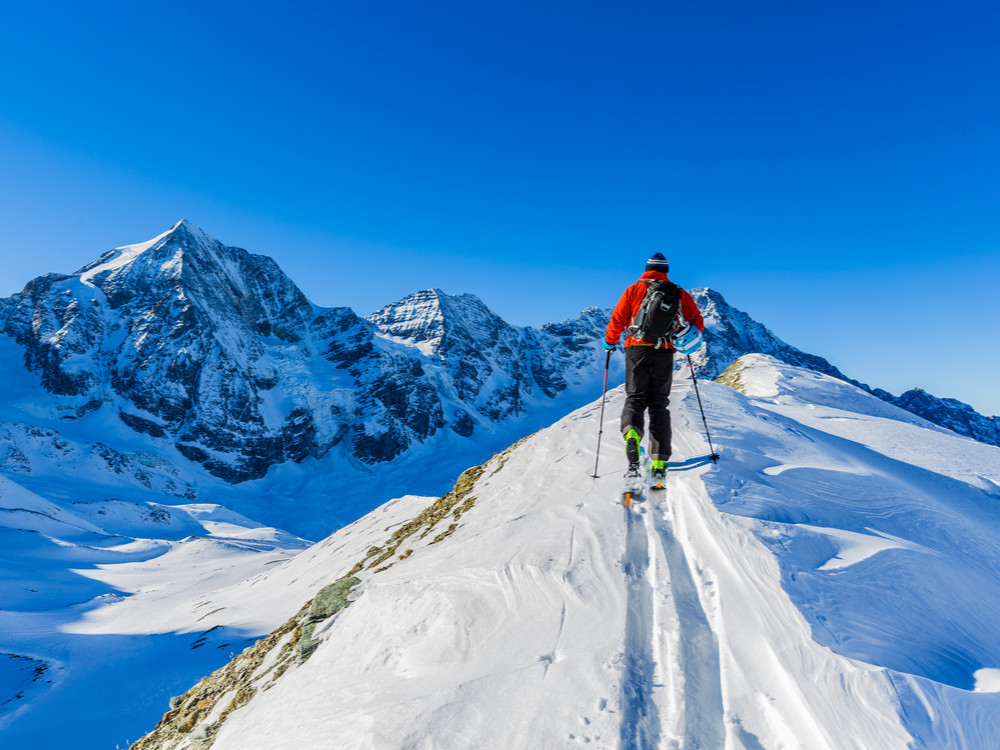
x: 499, y: 635
x: 89, y: 617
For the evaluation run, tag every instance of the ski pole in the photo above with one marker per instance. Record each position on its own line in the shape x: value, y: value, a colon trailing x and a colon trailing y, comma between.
x: 715, y: 456
x: 607, y: 365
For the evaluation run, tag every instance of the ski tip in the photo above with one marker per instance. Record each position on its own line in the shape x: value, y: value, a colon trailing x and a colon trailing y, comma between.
x: 631, y: 498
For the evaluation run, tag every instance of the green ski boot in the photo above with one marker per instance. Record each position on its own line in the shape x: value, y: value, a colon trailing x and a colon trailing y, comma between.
x: 658, y: 474
x: 633, y: 477
x: 632, y: 451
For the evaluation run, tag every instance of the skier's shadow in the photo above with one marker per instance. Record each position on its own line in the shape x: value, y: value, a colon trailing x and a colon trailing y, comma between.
x: 691, y: 463
x: 686, y: 465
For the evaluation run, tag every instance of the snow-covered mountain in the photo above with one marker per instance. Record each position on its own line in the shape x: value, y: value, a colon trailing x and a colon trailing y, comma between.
x: 829, y: 584
x: 947, y: 412
x: 172, y: 407
x: 730, y: 333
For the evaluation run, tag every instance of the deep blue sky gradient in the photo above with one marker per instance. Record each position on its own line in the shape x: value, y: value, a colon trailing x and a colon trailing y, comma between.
x: 832, y: 168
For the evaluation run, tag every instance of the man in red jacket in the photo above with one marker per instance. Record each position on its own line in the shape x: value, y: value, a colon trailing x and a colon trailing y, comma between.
x: 649, y: 365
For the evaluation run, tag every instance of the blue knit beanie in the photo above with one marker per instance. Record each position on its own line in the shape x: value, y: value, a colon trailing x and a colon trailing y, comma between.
x: 658, y: 263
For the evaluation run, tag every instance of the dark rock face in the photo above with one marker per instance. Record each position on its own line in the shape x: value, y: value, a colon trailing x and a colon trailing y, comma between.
x: 56, y: 327
x: 140, y: 425
x: 493, y: 368
x: 462, y: 333
x: 348, y: 339
x: 947, y: 412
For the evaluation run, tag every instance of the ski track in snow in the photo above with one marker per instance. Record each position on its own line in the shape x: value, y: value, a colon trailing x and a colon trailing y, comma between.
x: 551, y: 620
x: 650, y: 537
x: 640, y: 718
x: 704, y: 726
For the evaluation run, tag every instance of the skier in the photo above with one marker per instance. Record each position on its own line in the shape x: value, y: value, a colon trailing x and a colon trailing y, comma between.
x: 649, y: 356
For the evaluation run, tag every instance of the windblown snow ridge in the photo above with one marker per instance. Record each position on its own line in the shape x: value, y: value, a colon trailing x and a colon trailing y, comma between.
x: 766, y: 601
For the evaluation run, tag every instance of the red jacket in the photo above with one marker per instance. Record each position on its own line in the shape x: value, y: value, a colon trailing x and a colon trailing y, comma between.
x: 629, y: 304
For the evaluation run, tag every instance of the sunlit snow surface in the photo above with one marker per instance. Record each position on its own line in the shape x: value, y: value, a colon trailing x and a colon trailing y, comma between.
x: 830, y: 583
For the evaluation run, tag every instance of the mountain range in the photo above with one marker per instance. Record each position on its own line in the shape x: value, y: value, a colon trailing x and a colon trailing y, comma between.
x: 215, y: 352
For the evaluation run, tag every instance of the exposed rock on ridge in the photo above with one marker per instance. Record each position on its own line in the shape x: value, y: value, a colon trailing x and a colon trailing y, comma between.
x: 196, y: 717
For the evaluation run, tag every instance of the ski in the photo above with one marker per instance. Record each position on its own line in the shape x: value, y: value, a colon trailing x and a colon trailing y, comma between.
x: 640, y: 477
x: 634, y: 489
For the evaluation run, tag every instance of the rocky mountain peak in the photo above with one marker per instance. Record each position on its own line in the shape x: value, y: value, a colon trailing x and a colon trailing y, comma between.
x: 186, y: 271
x: 182, y: 257
x: 158, y: 251
x: 442, y: 321
x: 186, y: 228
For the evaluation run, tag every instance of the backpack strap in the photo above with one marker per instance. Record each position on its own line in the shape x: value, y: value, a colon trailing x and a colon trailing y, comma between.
x: 647, y: 282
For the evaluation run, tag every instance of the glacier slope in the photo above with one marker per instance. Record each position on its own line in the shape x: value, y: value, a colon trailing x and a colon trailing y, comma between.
x: 755, y: 607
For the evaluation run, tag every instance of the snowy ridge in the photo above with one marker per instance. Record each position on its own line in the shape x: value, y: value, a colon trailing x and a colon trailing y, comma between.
x: 763, y: 602
x: 731, y: 333
x: 123, y: 256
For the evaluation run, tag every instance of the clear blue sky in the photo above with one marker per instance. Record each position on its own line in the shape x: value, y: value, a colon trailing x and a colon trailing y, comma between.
x: 832, y: 168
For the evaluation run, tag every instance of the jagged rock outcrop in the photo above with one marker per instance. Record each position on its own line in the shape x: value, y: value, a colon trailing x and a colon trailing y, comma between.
x: 947, y: 412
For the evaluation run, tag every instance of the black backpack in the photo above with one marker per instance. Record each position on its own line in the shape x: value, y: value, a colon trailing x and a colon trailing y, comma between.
x: 655, y: 317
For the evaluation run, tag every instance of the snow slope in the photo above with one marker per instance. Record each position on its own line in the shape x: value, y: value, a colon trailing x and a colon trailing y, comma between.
x: 77, y: 655
x: 826, y: 585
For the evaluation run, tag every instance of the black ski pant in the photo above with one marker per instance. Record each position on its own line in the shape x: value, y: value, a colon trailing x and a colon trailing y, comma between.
x: 649, y: 373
